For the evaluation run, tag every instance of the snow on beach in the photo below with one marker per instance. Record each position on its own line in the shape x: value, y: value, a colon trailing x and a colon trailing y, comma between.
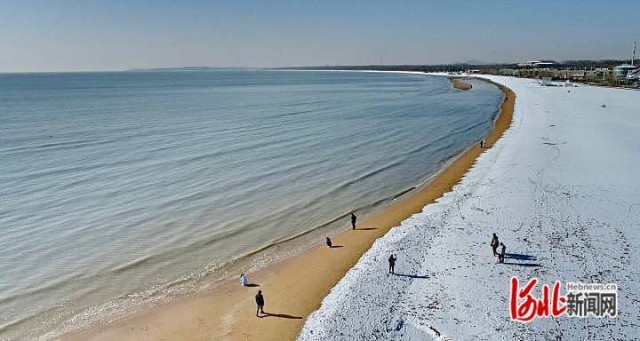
x: 561, y: 190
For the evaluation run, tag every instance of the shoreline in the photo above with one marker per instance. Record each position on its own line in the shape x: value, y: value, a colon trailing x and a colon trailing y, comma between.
x: 293, y: 287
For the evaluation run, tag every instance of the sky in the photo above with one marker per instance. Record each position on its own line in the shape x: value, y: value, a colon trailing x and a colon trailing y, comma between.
x: 95, y: 35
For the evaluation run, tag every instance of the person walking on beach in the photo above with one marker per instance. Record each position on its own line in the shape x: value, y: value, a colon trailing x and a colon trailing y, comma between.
x: 494, y: 244
x: 259, y: 303
x: 243, y: 280
x: 392, y: 264
x: 353, y: 221
x: 502, y: 253
x: 329, y: 244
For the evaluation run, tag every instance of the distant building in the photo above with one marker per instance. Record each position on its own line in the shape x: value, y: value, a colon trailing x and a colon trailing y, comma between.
x: 535, y: 64
x: 621, y: 71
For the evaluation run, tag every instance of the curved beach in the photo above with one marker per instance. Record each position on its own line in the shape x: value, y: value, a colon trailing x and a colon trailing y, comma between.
x: 293, y: 288
x: 560, y: 191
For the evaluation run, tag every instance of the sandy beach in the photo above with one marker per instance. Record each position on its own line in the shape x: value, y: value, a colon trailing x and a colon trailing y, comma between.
x: 293, y: 288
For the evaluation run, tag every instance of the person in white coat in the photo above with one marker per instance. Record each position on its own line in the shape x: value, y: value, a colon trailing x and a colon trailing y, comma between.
x: 243, y: 280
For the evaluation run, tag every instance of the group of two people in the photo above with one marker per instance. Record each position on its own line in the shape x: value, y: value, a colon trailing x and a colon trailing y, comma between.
x: 353, y: 227
x: 244, y: 281
x: 494, y: 246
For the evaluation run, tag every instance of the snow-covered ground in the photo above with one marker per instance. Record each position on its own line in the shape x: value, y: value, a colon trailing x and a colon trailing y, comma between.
x: 562, y: 191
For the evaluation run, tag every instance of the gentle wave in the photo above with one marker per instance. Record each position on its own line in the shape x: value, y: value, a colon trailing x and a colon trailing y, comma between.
x: 119, y: 190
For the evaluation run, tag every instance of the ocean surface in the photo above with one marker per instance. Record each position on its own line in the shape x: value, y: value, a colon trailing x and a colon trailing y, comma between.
x: 123, y: 189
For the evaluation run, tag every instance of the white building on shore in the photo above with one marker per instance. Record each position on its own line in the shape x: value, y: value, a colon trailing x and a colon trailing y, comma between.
x: 535, y: 64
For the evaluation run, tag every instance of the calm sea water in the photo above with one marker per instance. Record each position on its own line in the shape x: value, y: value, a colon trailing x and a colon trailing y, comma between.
x: 123, y: 188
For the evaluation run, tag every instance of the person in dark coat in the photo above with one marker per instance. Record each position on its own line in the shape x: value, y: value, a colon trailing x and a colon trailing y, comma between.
x: 392, y: 263
x: 259, y: 303
x: 353, y: 221
x: 502, y: 253
x: 329, y: 244
x: 494, y: 244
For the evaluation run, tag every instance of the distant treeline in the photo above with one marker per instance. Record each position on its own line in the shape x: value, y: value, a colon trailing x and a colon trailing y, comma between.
x: 567, y: 64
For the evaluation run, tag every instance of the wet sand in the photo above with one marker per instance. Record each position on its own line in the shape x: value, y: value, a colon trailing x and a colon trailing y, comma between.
x: 460, y: 85
x: 292, y: 288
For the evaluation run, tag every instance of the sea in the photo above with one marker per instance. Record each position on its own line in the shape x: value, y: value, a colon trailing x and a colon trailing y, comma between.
x: 120, y: 190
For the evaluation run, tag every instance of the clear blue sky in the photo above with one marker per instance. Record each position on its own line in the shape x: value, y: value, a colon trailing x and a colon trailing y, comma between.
x: 51, y: 35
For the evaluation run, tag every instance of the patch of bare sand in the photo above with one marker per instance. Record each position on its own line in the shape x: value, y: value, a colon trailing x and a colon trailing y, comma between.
x: 460, y: 85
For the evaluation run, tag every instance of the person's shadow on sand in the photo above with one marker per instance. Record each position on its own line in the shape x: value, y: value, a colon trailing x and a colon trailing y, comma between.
x: 521, y: 257
x: 523, y: 264
x: 412, y: 276
x: 282, y: 316
x: 252, y: 285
